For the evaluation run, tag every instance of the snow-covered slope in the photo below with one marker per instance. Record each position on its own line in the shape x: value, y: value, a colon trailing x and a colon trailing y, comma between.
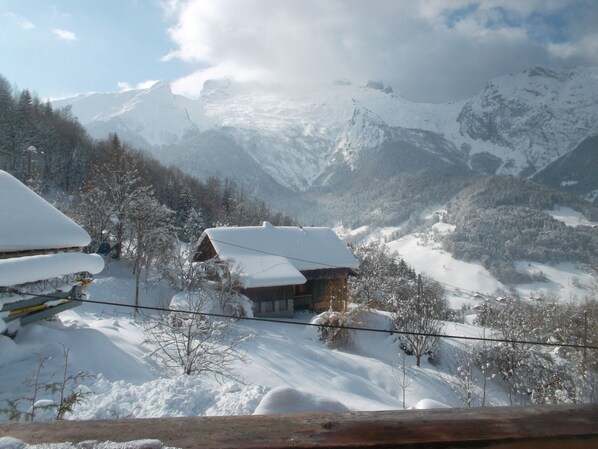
x: 153, y: 116
x: 517, y: 124
x: 530, y: 119
x: 108, y: 343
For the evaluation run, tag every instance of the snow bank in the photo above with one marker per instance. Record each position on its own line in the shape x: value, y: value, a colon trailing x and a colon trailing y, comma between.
x: 30, y: 222
x: 180, y: 395
x: 13, y: 443
x: 208, y: 301
x: 290, y: 400
x: 426, y: 404
x: 20, y: 270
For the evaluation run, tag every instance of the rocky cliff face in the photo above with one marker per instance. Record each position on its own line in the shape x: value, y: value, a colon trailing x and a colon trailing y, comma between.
x: 530, y: 119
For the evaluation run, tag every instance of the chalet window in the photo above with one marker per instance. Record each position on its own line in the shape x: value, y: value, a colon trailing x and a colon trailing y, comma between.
x: 268, y: 306
x: 283, y: 305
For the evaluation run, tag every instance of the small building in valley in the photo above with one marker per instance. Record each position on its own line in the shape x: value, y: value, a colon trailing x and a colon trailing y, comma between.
x: 284, y: 268
x: 42, y: 266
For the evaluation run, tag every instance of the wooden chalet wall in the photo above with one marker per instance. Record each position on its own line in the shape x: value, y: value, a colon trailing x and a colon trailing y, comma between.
x: 324, y: 288
x: 329, y: 288
x: 276, y: 302
x: 205, y: 251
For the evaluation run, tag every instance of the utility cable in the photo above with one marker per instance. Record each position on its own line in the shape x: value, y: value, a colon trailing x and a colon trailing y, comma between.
x: 314, y: 262
x: 328, y: 326
x: 485, y: 295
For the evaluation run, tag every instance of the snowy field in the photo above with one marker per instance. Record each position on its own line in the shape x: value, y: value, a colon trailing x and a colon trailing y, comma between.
x: 570, y: 217
x: 463, y: 280
x: 286, y: 367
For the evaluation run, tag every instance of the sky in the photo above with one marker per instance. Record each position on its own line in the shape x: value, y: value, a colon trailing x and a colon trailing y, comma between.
x: 427, y: 50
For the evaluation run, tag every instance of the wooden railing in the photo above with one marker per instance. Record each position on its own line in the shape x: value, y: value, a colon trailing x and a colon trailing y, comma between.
x: 539, y: 427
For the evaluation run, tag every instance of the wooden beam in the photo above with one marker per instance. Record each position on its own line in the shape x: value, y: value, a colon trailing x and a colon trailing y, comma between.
x: 537, y: 427
x: 37, y: 252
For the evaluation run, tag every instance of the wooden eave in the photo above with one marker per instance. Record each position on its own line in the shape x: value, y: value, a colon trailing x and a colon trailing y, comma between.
x: 205, y: 250
x: 326, y: 273
x: 37, y: 252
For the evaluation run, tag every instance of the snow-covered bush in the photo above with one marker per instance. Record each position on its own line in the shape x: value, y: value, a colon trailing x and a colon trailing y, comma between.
x: 537, y: 374
x: 333, y: 325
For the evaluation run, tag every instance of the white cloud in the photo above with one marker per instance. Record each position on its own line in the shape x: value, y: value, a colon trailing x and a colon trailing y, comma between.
x: 587, y: 46
x: 27, y: 25
x: 431, y: 50
x: 22, y: 22
x: 64, y: 34
x: 123, y: 86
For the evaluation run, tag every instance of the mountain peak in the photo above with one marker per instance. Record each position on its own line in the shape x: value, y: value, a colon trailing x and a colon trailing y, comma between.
x: 379, y: 85
x: 160, y: 84
x: 215, y: 87
x: 544, y: 72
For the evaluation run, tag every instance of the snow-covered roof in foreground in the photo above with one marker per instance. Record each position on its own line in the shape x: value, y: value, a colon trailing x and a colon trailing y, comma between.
x: 270, y: 255
x: 21, y: 270
x: 27, y: 221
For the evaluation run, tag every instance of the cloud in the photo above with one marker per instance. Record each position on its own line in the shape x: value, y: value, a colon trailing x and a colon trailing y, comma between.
x: 588, y: 45
x: 22, y: 22
x: 123, y: 86
x: 430, y: 50
x: 65, y: 35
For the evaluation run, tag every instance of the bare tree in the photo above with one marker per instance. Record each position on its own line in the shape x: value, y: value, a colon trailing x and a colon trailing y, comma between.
x: 466, y: 374
x: 227, y: 287
x: 401, y: 377
x: 149, y: 233
x: 418, y: 319
x: 384, y: 280
x: 192, y: 342
x: 43, y: 392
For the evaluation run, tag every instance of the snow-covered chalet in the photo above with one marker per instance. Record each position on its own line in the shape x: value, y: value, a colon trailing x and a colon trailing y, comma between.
x: 42, y: 268
x: 284, y: 268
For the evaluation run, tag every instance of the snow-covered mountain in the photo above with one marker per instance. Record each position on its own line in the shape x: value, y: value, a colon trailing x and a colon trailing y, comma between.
x: 530, y: 119
x: 518, y: 124
x: 150, y: 117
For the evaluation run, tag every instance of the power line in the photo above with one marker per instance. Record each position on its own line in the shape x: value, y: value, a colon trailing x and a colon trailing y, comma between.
x: 314, y: 262
x: 329, y: 326
x: 338, y: 266
x: 327, y: 264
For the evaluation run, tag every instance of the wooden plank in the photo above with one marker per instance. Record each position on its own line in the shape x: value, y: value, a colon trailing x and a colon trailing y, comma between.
x: 37, y: 252
x: 541, y: 427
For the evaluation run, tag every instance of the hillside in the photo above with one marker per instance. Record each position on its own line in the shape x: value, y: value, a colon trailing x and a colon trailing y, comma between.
x: 49, y: 149
x: 500, y: 220
x: 575, y: 171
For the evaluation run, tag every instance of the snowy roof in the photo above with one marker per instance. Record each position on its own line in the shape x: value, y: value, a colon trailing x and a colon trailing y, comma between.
x: 270, y: 255
x: 20, y: 270
x: 28, y: 222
